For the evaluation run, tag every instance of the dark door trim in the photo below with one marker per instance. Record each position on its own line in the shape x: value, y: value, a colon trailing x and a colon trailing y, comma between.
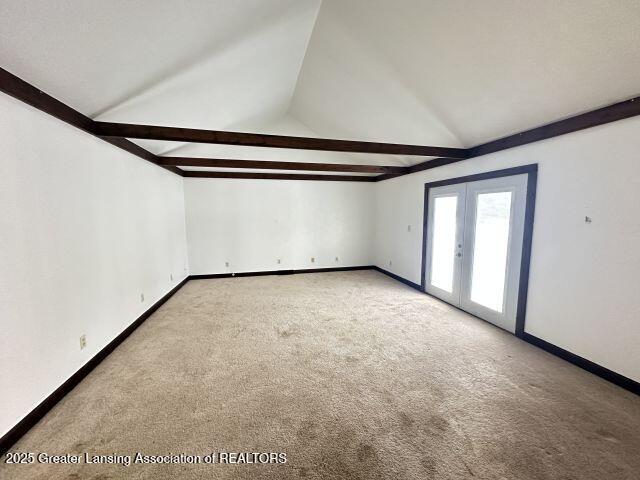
x: 532, y: 180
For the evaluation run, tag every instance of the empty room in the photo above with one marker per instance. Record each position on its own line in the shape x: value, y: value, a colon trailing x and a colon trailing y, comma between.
x: 320, y: 239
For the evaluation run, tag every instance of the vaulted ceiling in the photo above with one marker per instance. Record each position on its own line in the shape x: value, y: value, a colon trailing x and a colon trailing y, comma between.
x: 455, y: 73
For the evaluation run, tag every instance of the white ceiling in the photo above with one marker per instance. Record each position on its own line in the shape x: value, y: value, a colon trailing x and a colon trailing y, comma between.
x: 96, y: 55
x: 464, y: 71
x: 454, y: 73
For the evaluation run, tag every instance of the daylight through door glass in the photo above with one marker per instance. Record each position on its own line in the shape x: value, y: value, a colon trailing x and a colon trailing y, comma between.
x: 444, y: 242
x: 491, y: 245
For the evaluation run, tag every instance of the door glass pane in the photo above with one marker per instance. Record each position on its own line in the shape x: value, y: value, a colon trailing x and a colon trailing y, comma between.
x: 493, y: 212
x: 444, y: 242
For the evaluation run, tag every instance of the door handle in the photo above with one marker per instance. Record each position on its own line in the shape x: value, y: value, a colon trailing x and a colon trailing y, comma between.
x: 458, y: 254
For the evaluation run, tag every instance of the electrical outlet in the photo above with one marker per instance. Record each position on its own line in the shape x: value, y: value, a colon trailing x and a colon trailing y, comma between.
x: 142, y: 297
x: 83, y: 341
x: 313, y: 259
x: 337, y: 260
x: 226, y: 264
x: 390, y: 263
x: 408, y: 228
x: 171, y: 276
x: 587, y: 220
x: 279, y: 262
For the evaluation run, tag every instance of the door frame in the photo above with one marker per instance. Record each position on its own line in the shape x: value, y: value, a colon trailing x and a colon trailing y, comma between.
x: 460, y: 194
x: 531, y: 171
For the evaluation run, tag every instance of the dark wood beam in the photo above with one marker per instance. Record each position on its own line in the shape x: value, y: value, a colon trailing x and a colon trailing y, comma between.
x: 600, y: 116
x: 279, y: 176
x: 277, y: 165
x: 429, y: 164
x: 27, y: 93
x: 138, y: 151
x: 152, y: 132
x: 117, y: 133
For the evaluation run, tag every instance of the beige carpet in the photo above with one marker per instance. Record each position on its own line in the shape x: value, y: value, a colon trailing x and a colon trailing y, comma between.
x: 352, y: 375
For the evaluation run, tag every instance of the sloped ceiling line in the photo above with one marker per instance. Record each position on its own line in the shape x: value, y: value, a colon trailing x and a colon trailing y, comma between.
x: 115, y: 134
x: 155, y: 132
x: 27, y: 93
x: 243, y: 83
x: 268, y: 18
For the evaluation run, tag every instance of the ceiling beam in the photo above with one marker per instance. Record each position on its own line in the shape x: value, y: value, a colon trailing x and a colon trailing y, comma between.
x: 277, y: 165
x: 117, y: 133
x: 600, y: 116
x: 428, y: 165
x: 593, y: 118
x: 279, y: 176
x: 175, y: 134
x: 27, y: 93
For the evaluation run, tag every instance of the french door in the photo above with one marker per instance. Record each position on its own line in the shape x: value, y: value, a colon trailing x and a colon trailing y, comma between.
x: 474, y: 246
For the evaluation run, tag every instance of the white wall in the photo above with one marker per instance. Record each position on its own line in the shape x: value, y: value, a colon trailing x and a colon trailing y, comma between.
x: 253, y: 223
x: 369, y: 74
x: 85, y: 228
x: 584, y: 279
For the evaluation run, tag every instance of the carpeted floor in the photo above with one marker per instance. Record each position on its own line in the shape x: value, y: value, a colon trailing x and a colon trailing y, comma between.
x: 352, y: 375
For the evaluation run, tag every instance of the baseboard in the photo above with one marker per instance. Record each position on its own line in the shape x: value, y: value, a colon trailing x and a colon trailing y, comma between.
x: 279, y: 272
x: 33, y: 417
x: 589, y: 366
x: 13, y: 435
x: 399, y: 278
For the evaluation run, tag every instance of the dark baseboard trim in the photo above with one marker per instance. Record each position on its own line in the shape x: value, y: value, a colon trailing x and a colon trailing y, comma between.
x: 589, y: 366
x: 399, y: 278
x: 279, y: 272
x: 33, y: 417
